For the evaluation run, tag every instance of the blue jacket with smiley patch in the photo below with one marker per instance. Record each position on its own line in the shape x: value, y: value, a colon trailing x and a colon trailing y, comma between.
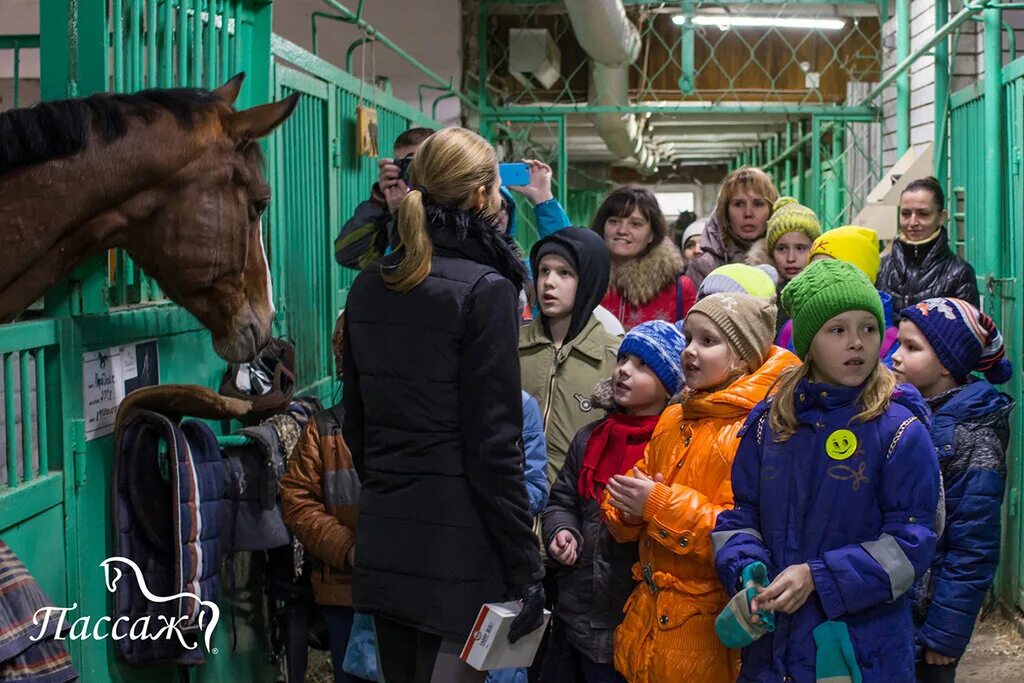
x: 856, y: 501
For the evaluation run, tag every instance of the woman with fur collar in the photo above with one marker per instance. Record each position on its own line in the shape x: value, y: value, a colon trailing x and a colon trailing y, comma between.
x: 735, y: 233
x: 647, y: 281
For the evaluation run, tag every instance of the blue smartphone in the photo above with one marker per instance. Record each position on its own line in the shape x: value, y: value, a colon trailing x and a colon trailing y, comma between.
x: 514, y: 174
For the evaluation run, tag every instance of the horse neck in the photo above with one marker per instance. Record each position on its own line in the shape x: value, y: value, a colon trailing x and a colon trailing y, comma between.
x: 57, y: 214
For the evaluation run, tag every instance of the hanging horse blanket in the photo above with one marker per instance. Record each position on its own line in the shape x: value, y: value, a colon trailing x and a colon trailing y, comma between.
x: 27, y: 651
x: 170, y: 481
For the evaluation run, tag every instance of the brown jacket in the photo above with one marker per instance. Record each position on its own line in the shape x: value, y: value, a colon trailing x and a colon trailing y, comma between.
x: 320, y: 497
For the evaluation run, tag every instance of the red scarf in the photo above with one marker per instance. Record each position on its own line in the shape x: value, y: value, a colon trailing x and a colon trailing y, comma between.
x: 613, y: 448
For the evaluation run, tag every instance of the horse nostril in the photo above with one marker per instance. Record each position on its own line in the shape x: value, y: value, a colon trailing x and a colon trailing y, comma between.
x: 257, y: 339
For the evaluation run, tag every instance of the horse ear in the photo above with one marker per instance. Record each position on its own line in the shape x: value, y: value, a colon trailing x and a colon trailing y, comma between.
x: 229, y: 91
x: 255, y: 122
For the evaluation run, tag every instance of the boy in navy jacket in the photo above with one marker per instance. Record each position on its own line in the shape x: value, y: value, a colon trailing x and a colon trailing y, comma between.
x: 942, y: 341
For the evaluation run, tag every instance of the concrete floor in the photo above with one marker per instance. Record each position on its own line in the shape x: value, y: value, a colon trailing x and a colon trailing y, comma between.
x: 996, y: 653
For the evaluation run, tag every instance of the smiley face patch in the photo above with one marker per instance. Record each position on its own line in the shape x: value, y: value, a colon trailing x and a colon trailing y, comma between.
x: 841, y: 444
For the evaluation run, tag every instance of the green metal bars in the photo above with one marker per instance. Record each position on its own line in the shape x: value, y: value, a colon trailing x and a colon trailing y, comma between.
x: 24, y: 437
x: 750, y: 69
x: 170, y: 43
x: 17, y: 45
x: 831, y: 168
x: 164, y: 44
x: 318, y: 180
x: 991, y: 237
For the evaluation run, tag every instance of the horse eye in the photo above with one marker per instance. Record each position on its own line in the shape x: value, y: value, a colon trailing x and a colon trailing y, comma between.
x: 257, y: 207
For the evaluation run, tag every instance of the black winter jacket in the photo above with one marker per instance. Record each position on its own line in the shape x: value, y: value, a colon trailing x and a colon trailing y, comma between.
x: 913, y: 273
x: 592, y: 592
x: 434, y: 421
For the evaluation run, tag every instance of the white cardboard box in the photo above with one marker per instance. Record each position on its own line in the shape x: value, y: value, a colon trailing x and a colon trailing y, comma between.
x: 487, y: 646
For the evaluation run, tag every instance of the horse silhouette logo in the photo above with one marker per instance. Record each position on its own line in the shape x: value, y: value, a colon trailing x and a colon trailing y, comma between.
x: 113, y: 574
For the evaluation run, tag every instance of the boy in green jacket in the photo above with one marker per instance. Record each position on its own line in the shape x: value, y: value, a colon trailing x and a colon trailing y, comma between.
x: 566, y: 351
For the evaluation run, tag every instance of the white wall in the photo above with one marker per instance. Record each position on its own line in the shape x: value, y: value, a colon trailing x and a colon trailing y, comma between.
x: 430, y: 31
x: 967, y: 61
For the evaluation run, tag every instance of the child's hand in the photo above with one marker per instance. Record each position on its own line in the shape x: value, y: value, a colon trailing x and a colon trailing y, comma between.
x: 629, y: 494
x: 563, y: 548
x: 935, y: 659
x: 787, y: 593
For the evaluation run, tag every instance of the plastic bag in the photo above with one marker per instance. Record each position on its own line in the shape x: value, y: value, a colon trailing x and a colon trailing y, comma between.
x: 361, y: 654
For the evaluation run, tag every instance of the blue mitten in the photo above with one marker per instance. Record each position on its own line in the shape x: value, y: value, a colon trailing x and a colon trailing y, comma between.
x: 733, y: 624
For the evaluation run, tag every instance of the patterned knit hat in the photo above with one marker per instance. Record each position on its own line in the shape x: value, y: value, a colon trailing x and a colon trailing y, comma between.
x: 852, y: 244
x: 823, y: 290
x: 758, y: 281
x: 747, y: 322
x: 964, y: 338
x: 789, y: 215
x: 660, y: 345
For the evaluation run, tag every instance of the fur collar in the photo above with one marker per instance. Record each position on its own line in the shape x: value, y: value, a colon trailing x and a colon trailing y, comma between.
x: 471, y: 235
x: 603, y: 396
x: 758, y: 254
x: 639, y: 280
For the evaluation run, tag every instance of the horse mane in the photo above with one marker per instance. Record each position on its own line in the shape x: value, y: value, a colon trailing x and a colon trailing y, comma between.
x: 50, y: 130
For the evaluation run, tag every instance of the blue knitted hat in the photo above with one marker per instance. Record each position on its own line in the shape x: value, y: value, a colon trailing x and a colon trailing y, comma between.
x: 660, y: 345
x: 964, y: 338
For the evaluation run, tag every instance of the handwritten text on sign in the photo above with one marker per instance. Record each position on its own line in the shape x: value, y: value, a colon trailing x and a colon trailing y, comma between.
x: 110, y: 374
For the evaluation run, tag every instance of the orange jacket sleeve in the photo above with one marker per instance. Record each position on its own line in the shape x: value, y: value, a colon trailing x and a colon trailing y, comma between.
x: 302, y: 501
x: 621, y: 530
x: 682, y: 519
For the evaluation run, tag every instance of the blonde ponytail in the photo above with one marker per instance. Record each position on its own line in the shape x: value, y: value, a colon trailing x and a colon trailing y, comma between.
x: 449, y: 166
x: 418, y: 249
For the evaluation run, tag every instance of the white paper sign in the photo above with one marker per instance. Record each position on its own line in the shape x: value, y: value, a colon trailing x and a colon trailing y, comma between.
x: 104, y: 374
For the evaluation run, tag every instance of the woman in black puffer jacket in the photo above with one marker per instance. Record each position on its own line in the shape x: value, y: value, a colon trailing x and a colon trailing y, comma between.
x: 921, y: 265
x: 434, y: 418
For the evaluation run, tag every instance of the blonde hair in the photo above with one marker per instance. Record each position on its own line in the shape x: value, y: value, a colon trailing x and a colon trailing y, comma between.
x: 451, y: 165
x: 750, y: 179
x: 738, y: 368
x: 873, y: 399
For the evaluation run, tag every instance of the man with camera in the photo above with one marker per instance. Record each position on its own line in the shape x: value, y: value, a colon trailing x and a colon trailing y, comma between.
x: 371, y: 231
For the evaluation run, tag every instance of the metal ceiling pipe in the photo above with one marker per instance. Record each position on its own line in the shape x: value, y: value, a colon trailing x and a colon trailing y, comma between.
x: 612, y: 42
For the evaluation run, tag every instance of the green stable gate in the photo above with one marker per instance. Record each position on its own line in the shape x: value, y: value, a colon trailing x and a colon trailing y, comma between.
x: 997, y: 253
x: 55, y: 509
x: 316, y: 189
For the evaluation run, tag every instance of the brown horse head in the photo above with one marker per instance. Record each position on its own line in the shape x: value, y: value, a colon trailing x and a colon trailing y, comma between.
x: 204, y: 244
x: 175, y: 178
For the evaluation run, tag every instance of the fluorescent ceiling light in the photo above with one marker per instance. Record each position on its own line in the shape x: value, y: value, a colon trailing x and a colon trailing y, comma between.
x: 725, y: 21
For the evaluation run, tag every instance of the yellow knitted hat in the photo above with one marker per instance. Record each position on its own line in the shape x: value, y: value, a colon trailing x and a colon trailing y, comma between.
x: 852, y: 244
x: 789, y: 215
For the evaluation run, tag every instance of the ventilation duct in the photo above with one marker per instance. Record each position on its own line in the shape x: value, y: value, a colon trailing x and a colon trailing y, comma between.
x: 612, y: 42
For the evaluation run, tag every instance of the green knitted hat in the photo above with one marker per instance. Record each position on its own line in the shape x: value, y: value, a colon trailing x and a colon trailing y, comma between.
x: 823, y: 290
x: 789, y: 215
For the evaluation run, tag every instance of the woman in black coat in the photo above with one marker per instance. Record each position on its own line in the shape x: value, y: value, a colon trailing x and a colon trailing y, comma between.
x: 921, y: 265
x: 434, y: 420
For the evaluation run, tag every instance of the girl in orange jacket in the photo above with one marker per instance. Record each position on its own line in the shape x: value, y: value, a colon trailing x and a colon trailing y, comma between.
x: 671, y: 500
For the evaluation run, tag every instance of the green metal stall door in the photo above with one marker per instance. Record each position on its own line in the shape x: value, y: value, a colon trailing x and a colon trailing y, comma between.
x: 318, y: 181
x: 1008, y: 294
x: 302, y: 259
x: 1002, y: 292
x: 35, y: 454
